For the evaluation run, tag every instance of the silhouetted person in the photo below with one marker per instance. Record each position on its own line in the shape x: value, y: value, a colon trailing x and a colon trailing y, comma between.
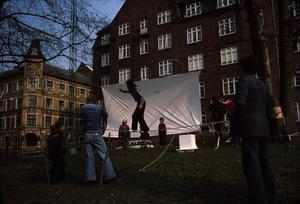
x: 251, y: 117
x: 124, y: 134
x: 138, y: 114
x: 55, y: 150
x: 162, y: 132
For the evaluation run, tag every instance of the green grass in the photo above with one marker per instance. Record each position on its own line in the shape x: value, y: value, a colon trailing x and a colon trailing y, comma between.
x: 203, y: 176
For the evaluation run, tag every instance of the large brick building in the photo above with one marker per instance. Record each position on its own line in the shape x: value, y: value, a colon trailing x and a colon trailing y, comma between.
x: 34, y: 96
x: 150, y: 39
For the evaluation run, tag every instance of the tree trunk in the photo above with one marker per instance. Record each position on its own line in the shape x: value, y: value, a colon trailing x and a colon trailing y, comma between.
x: 287, y: 94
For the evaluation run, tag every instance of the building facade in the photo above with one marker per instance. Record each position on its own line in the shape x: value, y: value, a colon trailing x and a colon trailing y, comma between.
x: 150, y: 39
x: 36, y: 95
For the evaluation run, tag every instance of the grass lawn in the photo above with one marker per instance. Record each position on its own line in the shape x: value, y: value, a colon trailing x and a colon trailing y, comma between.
x: 202, y: 176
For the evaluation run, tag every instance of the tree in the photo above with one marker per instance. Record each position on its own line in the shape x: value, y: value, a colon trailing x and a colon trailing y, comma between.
x: 51, y: 22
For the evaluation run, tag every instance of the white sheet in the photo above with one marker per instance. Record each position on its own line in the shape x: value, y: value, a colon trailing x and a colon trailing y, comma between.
x: 176, y: 98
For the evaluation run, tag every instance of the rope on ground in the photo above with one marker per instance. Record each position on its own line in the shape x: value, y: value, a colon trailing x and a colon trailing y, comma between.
x: 155, y: 160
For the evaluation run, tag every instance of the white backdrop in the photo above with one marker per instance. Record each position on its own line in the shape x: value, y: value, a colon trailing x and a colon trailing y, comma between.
x: 176, y: 98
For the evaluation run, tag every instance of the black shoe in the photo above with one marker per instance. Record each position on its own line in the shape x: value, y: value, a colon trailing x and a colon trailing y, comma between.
x: 113, y: 180
x: 90, y: 183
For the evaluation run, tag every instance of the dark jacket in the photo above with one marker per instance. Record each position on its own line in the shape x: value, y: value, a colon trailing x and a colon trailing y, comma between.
x: 253, y: 109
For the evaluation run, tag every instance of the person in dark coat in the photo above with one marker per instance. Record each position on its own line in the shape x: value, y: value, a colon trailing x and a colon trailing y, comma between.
x: 55, y: 152
x: 162, y: 132
x: 251, y: 115
x: 138, y: 114
x: 124, y: 134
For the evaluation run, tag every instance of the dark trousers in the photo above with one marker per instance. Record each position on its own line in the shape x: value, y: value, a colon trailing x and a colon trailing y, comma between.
x: 258, y: 173
x: 57, y: 172
x: 138, y: 117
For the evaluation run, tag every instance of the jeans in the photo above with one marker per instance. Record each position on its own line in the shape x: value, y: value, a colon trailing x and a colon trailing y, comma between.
x: 94, y: 140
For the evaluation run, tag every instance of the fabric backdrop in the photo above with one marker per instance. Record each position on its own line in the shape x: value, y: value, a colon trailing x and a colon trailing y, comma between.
x: 176, y: 98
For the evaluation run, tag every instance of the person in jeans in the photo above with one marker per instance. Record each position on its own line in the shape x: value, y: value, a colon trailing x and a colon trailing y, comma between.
x: 94, y: 115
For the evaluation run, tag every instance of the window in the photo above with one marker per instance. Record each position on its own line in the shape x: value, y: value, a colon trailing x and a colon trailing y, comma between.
x: 49, y: 103
x: 32, y: 82
x: 62, y: 88
x: 194, y: 35
x: 31, y: 120
x: 105, y: 80
x: 32, y: 101
x: 105, y: 39
x: 71, y: 107
x: 298, y: 110
x: 19, y: 103
x: 49, y: 85
x: 165, y: 67
x: 224, y: 3
x: 229, y: 86
x: 124, y: 29
x: 144, y: 26
x: 82, y: 93
x: 227, y: 26
x: 71, y: 122
x: 10, y: 104
x: 61, y: 120
x: 71, y: 91
x: 294, y: 8
x: 164, y: 41
x: 145, y: 72
x: 61, y: 105
x: 144, y: 46
x: 10, y: 87
x: 229, y: 55
x: 297, y: 76
x: 2, y: 106
x: 193, y: 9
x: 124, y: 75
x: 20, y: 85
x: 296, y: 44
x: 48, y: 120
x: 202, y: 89
x: 164, y: 17
x: 203, y: 116
x: 105, y: 60
x: 124, y: 51
x: 195, y: 62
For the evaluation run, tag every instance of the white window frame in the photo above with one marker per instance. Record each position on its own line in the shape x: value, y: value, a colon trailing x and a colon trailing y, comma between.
x: 164, y: 41
x: 124, y: 75
x: 297, y: 44
x: 165, y: 67
x: 105, y: 80
x: 105, y: 59
x: 33, y: 82
x: 50, y: 89
x: 194, y: 35
x: 143, y: 26
x: 195, y: 62
x: 145, y: 72
x: 105, y: 39
x: 124, y: 51
x: 297, y: 77
x: 51, y: 105
x: 202, y: 89
x: 124, y: 29
x: 225, y: 3
x: 193, y: 9
x: 229, y: 86
x: 229, y: 55
x: 61, y: 108
x: 45, y: 121
x: 144, y: 46
x: 227, y: 26
x: 298, y: 110
x: 164, y: 17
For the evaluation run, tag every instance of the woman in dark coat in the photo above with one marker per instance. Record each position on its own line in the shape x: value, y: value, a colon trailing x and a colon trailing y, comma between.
x: 55, y: 152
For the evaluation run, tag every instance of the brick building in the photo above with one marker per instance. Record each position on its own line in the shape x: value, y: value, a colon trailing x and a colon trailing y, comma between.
x: 150, y: 39
x: 34, y: 96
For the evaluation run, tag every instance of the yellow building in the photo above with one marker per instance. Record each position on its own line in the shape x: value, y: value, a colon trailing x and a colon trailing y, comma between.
x: 33, y: 97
